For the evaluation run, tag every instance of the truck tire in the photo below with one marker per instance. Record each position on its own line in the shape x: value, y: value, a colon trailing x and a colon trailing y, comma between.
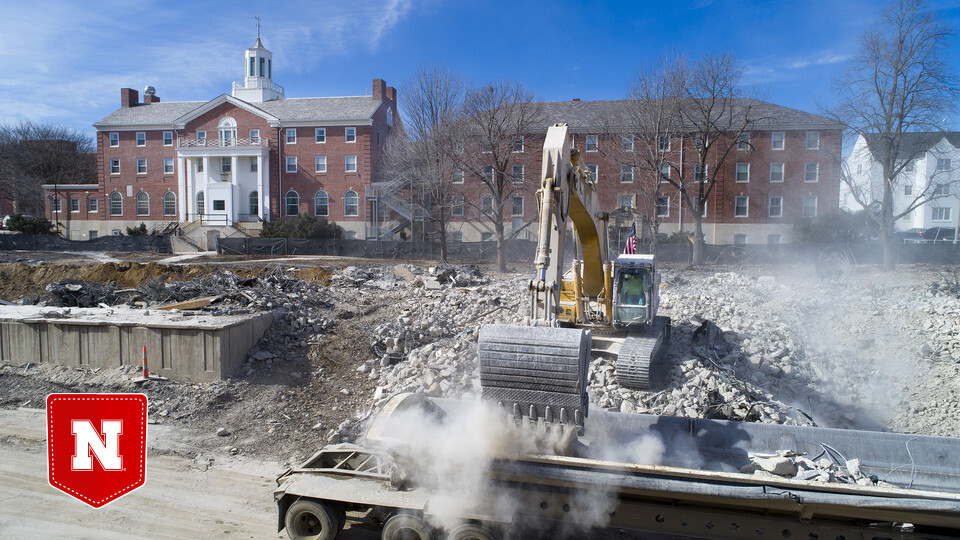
x: 471, y: 531
x: 405, y: 527
x: 312, y: 520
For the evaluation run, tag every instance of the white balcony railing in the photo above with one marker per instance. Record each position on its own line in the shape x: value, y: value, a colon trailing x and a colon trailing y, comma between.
x: 221, y: 143
x: 254, y: 84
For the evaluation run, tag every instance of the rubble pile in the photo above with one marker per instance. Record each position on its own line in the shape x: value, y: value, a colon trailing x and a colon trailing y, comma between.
x: 831, y: 467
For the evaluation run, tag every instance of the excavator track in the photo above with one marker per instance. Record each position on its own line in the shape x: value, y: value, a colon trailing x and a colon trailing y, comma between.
x: 639, y: 351
x: 537, y: 372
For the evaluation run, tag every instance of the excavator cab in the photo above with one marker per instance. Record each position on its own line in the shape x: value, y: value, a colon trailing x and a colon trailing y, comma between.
x: 635, y: 296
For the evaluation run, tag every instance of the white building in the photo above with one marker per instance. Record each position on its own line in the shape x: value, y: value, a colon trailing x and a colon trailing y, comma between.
x: 930, y: 176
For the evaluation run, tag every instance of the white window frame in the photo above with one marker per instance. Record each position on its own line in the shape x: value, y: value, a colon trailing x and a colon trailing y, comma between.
x: 517, y: 146
x: 253, y: 164
x: 93, y: 204
x: 253, y: 203
x: 141, y: 138
x: 816, y: 172
x: 287, y: 205
x: 593, y: 143
x: 320, y: 164
x: 145, y: 211
x: 773, y: 164
x: 141, y: 165
x: 488, y: 173
x: 665, y: 168
x: 697, y: 175
x: 803, y: 211
x: 514, y: 177
x: 201, y: 137
x: 626, y: 174
x: 743, y: 141
x: 813, y: 140
x: 740, y: 239
x: 350, y: 135
x: 594, y: 171
x: 908, y: 188
x: 291, y: 164
x: 456, y: 206
x: 291, y: 136
x: 745, y: 206
x: 662, y: 210
x: 114, y: 166
x: 119, y: 203
x: 320, y: 135
x: 348, y: 161
x: 226, y: 165
x: 168, y: 161
x: 317, y: 197
x: 172, y: 207
x: 778, y: 136
x: 704, y: 214
x: 114, y: 139
x: 486, y: 204
x: 456, y: 236
x: 630, y: 198
x: 770, y: 206
x: 457, y: 177
x: 663, y: 143
x: 943, y: 164
x: 168, y: 135
x: 346, y: 196
x: 745, y: 165
x: 254, y: 136
x: 943, y: 211
x: 627, y: 143
x: 513, y: 205
x: 56, y: 205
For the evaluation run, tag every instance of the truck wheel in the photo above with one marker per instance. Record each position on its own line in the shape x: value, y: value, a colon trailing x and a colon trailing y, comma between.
x: 405, y: 527
x: 471, y: 531
x: 311, y: 520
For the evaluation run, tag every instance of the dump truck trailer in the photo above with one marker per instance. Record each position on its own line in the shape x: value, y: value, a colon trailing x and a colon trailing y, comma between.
x: 551, y: 494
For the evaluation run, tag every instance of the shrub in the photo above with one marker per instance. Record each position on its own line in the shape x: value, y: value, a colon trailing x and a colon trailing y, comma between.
x: 842, y: 226
x: 301, y: 226
x: 139, y: 230
x: 30, y: 225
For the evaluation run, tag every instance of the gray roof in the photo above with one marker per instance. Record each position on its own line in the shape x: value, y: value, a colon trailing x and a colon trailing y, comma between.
x: 914, y: 144
x: 287, y: 110
x: 589, y: 115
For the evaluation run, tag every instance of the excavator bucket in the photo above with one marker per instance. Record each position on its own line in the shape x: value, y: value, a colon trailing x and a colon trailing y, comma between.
x: 537, y: 372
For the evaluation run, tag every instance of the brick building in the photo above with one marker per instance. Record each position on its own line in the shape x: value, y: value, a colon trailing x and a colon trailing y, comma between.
x: 789, y: 170
x: 223, y: 166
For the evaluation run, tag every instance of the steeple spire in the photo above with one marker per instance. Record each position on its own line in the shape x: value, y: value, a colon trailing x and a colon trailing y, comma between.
x: 259, y: 44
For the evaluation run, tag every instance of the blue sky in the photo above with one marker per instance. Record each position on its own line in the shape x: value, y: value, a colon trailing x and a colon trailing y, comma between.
x: 65, y: 61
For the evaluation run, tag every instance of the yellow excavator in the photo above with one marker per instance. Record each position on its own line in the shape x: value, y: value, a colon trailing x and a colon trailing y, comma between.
x: 592, y: 307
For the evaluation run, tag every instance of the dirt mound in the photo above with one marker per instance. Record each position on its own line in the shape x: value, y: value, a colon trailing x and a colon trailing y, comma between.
x: 18, y: 280
x: 130, y: 274
x: 316, y: 273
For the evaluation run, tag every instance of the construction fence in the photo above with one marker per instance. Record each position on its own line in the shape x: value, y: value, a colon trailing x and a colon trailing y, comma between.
x: 517, y: 250
x: 51, y: 242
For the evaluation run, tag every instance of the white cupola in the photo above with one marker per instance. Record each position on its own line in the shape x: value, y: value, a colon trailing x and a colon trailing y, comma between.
x: 257, y: 84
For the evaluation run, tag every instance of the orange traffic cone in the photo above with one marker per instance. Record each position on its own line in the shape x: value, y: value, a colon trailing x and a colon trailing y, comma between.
x: 146, y: 372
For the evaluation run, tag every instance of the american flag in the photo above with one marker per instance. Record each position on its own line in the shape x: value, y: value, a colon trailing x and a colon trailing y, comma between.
x: 631, y: 247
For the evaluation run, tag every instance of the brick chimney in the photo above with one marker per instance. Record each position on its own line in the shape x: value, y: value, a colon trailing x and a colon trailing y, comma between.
x: 129, y: 97
x: 576, y: 99
x: 379, y: 88
x: 392, y: 94
x: 151, y: 98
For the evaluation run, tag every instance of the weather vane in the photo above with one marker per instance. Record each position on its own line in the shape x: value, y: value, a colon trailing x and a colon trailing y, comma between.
x: 258, y: 23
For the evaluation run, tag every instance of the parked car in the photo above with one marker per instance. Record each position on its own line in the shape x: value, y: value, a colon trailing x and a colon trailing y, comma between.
x: 909, y: 236
x: 938, y: 234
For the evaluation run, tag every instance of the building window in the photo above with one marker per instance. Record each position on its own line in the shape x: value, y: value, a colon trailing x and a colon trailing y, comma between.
x: 775, y: 206
x: 292, y: 136
x: 351, y: 203
x: 743, y: 172
x: 908, y: 167
x: 743, y: 141
x: 664, y: 172
x: 350, y: 135
x: 943, y: 164
x: 292, y: 203
x: 593, y: 143
x: 55, y: 204
x: 594, y: 172
x: 91, y: 235
x: 813, y: 140
x: 488, y: 173
x: 350, y: 164
x: 253, y: 165
x: 114, y: 139
x: 486, y: 205
x: 320, y: 164
x: 859, y: 168
x: 776, y: 140
x: 168, y: 165
x: 255, y: 136
x: 486, y: 147
x: 389, y: 116
x: 200, y: 165
x: 201, y: 137
x: 201, y: 208
x: 697, y: 173
x: 320, y: 135
x: 291, y: 164
x: 516, y: 208
x: 773, y: 239
x: 486, y: 237
x: 810, y: 206
x: 740, y: 239
x: 776, y: 172
x: 626, y: 174
x: 941, y: 190
x: 253, y: 204
x: 811, y: 171
x: 141, y: 165
x: 663, y: 206
x: 663, y: 143
x: 516, y: 174
x: 116, y: 232
x: 626, y: 201
x: 517, y: 144
x: 941, y: 214
x: 321, y: 204
x: 626, y: 143
x: 116, y: 204
x: 253, y: 64
x: 457, y: 177
x: 92, y: 204
x: 456, y: 205
x: 169, y: 204
x: 226, y: 165
x: 741, y: 206
x: 456, y: 236
x: 168, y: 138
x: 141, y: 138
x: 908, y: 189
x: 263, y: 72
x: 114, y: 166
x: 143, y: 204
x: 695, y: 202
x: 219, y: 205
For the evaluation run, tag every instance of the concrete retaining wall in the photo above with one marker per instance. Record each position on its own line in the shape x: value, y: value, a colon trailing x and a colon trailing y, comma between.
x: 195, y: 349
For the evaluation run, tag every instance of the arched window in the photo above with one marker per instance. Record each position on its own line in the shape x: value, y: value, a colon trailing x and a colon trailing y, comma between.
x: 292, y: 203
x: 227, y: 128
x: 321, y: 204
x: 143, y: 204
x: 169, y: 204
x: 351, y: 203
x: 200, y: 207
x: 254, y: 209
x: 116, y: 204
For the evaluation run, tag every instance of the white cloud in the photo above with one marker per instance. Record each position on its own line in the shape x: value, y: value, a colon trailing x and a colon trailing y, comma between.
x: 820, y: 60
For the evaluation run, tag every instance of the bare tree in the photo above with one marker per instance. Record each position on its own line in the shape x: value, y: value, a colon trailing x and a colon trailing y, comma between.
x: 35, y: 154
x: 899, y: 82
x: 432, y: 103
x: 497, y: 116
